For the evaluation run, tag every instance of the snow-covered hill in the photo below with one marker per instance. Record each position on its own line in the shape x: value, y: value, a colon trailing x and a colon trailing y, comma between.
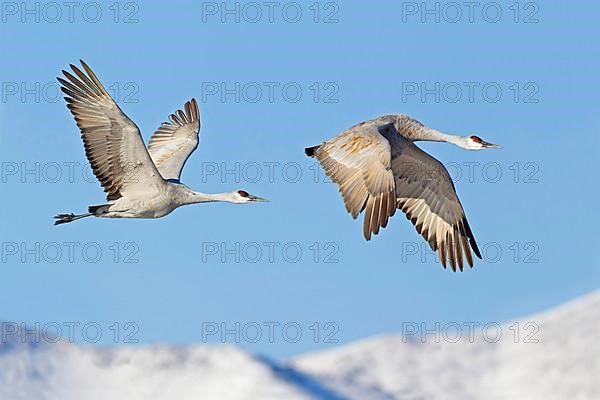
x: 64, y: 371
x: 564, y: 363
x: 555, y: 356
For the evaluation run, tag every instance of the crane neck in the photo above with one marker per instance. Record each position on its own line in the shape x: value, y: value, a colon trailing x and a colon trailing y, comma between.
x: 193, y: 197
x: 432, y: 135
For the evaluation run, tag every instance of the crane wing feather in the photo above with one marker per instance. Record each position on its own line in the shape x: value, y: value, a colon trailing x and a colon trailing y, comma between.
x: 359, y: 161
x: 426, y: 194
x: 174, y: 141
x: 113, y: 143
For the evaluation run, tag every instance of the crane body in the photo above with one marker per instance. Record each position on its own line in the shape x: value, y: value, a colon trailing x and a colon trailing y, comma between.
x: 379, y: 169
x: 140, y: 181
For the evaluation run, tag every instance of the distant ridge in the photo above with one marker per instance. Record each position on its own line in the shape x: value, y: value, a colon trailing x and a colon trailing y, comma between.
x: 563, y: 364
x: 556, y: 358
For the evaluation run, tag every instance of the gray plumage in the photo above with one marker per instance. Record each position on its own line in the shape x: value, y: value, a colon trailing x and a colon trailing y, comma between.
x: 139, y: 182
x: 379, y: 169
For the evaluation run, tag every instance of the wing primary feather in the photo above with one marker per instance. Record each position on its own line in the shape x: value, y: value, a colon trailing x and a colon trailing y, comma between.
x: 93, y: 77
x: 383, y: 216
x: 70, y: 86
x: 471, y: 238
x: 375, y: 218
x: 458, y: 244
x: 85, y: 79
x: 465, y: 244
x: 83, y: 88
x: 451, y: 250
x: 442, y: 252
x: 367, y: 221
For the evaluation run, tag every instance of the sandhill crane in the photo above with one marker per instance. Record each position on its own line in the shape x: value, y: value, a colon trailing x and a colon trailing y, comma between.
x: 139, y: 182
x: 378, y: 168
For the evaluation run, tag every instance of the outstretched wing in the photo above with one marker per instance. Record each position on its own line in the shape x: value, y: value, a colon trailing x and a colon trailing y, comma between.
x: 172, y: 144
x: 113, y: 143
x: 359, y: 161
x: 427, y: 196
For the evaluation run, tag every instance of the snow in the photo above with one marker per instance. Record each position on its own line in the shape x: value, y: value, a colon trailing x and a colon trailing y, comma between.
x: 564, y: 363
x: 559, y: 361
x: 68, y: 372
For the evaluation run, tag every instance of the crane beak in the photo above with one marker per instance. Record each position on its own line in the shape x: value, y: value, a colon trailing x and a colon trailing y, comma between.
x: 258, y: 199
x: 487, y: 145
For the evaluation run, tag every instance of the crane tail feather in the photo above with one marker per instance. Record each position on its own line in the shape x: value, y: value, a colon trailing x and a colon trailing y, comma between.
x: 310, y: 151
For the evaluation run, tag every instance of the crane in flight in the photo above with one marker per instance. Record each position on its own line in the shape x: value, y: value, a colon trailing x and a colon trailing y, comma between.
x: 378, y: 169
x: 140, y: 182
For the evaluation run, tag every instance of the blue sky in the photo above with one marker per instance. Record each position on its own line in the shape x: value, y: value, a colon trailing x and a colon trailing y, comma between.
x: 534, y: 85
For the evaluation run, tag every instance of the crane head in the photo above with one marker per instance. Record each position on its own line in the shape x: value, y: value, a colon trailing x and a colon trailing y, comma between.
x: 477, y: 143
x: 241, y: 196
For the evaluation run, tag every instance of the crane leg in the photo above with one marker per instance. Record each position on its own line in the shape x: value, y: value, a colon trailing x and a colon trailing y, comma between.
x: 64, y: 218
